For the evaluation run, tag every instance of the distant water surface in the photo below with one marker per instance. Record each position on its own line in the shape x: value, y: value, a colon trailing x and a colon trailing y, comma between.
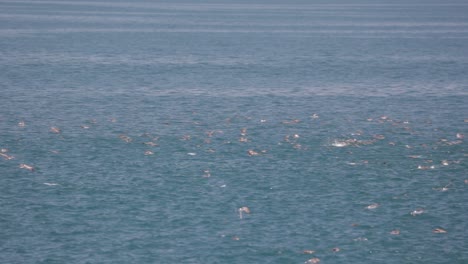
x: 335, y: 123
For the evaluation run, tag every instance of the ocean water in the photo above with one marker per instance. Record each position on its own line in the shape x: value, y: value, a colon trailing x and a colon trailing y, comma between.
x: 148, y: 125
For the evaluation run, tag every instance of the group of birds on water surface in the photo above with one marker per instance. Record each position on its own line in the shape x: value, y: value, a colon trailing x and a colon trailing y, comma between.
x: 293, y: 139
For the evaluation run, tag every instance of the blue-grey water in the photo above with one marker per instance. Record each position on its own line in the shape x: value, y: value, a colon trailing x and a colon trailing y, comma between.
x: 133, y: 131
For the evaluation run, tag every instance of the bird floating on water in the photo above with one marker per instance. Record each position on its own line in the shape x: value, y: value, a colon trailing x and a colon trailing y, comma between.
x: 252, y: 153
x: 55, y: 130
x: 372, y: 206
x: 312, y: 261
x: 439, y: 231
x: 6, y: 156
x: 417, y: 212
x: 27, y: 167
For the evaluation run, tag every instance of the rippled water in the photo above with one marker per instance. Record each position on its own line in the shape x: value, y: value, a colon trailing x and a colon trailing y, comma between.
x: 335, y: 123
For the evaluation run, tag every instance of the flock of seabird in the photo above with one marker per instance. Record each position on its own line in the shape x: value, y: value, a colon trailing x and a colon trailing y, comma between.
x: 293, y: 140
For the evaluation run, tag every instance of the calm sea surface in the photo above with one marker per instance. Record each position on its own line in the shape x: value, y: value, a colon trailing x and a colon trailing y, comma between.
x: 133, y: 131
